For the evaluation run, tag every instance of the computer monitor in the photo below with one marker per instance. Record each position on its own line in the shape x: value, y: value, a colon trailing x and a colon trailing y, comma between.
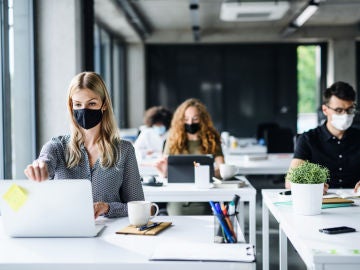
x: 181, y: 167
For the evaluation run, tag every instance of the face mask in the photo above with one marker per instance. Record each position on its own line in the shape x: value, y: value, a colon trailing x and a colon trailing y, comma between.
x: 192, y: 128
x: 87, y: 118
x: 160, y: 130
x: 342, y: 121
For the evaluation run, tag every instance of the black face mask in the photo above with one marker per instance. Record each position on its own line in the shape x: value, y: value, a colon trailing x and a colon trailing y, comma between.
x: 87, y: 118
x: 192, y: 128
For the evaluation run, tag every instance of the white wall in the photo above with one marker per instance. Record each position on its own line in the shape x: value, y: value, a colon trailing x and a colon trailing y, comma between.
x: 59, y: 59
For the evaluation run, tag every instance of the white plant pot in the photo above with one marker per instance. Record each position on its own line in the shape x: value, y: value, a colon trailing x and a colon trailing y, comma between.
x: 307, y: 198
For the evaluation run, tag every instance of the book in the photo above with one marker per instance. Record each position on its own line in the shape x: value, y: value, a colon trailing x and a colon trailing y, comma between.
x: 346, y: 194
x: 234, y: 180
x: 336, y: 200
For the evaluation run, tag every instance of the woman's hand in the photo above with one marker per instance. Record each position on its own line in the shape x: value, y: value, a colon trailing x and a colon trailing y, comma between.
x: 326, y: 188
x: 357, y: 186
x: 101, y: 208
x: 37, y: 171
x: 161, y: 166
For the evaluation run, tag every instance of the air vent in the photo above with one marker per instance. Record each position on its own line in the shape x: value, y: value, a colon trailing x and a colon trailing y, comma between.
x: 257, y: 11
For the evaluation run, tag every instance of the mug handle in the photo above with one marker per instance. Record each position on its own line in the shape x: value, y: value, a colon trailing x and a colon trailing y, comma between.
x: 157, y: 210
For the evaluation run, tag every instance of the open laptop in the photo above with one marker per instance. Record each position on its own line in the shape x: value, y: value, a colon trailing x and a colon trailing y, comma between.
x: 181, y: 167
x: 54, y: 208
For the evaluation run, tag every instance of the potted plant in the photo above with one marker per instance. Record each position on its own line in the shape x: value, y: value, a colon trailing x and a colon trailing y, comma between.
x: 307, y: 185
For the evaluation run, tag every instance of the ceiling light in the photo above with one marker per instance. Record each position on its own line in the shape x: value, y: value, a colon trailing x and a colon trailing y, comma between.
x: 306, y: 14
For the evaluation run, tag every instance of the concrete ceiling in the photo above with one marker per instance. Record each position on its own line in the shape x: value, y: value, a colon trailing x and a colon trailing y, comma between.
x: 171, y: 21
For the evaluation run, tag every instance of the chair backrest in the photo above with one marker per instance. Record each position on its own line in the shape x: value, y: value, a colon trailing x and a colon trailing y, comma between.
x: 263, y: 127
x: 279, y: 140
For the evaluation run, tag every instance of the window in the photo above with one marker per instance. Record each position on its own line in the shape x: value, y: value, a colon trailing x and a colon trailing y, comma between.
x: 17, y: 83
x: 109, y: 62
x: 308, y: 69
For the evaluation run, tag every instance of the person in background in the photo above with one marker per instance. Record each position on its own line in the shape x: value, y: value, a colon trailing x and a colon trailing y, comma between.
x: 150, y: 142
x: 334, y: 144
x: 93, y: 150
x: 192, y: 132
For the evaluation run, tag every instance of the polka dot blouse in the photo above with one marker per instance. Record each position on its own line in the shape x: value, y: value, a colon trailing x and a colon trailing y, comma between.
x: 116, y: 185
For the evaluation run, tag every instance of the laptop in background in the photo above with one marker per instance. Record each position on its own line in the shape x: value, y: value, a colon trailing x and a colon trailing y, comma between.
x: 181, y: 167
x: 54, y: 208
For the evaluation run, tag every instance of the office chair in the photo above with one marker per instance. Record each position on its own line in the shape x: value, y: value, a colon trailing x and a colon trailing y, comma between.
x: 279, y: 140
x: 263, y: 127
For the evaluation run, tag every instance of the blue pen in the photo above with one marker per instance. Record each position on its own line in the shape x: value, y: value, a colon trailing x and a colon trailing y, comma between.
x: 146, y: 227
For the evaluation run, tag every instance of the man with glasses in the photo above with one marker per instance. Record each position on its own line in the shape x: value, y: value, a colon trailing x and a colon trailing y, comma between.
x: 334, y: 144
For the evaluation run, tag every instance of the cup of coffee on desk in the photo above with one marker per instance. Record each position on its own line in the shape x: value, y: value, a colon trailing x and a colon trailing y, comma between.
x: 140, y: 212
x: 227, y: 171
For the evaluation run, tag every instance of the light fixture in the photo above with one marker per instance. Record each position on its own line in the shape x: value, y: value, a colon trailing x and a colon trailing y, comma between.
x: 300, y: 19
x: 194, y: 12
x: 306, y: 13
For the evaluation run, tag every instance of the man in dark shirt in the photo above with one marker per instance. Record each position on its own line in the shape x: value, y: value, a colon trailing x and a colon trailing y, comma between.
x: 334, y: 144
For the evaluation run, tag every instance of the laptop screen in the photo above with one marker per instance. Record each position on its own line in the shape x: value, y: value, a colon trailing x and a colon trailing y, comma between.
x: 181, y: 167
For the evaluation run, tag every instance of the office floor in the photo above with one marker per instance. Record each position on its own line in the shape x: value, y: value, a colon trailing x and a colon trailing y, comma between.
x: 294, y: 261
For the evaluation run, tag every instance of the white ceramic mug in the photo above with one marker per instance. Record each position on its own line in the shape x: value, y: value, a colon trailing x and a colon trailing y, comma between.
x: 227, y: 171
x: 139, y: 212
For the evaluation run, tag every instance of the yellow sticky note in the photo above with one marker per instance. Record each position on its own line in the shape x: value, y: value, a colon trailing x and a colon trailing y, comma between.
x: 15, y: 197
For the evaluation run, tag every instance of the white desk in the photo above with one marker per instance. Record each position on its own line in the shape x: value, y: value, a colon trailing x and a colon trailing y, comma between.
x: 274, y: 164
x: 303, y: 231
x: 187, y: 192
x: 112, y: 251
x: 246, y: 149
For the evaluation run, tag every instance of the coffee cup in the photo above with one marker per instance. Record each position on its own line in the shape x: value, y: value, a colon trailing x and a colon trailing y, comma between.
x: 139, y: 212
x: 227, y: 171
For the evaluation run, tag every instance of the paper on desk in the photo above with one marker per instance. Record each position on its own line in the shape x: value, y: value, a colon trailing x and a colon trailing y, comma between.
x: 204, y: 252
x: 15, y: 197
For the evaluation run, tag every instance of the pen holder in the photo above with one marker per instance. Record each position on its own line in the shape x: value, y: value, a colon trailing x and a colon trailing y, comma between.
x: 225, y: 228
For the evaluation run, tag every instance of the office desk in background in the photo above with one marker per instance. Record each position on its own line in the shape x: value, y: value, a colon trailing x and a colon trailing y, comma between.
x: 314, y: 248
x: 187, y: 192
x: 112, y: 251
x: 274, y: 164
x: 245, y: 146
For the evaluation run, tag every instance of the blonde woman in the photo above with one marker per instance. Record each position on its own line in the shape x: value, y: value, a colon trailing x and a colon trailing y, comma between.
x: 192, y: 132
x: 93, y: 150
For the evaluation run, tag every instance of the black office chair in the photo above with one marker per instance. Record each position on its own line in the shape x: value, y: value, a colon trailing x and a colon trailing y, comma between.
x: 263, y: 127
x: 279, y: 140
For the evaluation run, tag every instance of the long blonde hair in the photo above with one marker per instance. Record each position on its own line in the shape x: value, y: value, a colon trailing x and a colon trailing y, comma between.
x: 109, y: 132
x: 208, y: 135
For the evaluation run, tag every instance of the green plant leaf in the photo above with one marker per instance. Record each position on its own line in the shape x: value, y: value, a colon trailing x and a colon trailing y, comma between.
x: 308, y: 173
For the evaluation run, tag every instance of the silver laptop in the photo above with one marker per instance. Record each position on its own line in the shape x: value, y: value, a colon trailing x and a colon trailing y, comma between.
x: 54, y: 208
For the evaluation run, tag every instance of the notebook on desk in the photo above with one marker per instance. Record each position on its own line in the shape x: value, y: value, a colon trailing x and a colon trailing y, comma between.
x: 54, y: 208
x: 181, y: 167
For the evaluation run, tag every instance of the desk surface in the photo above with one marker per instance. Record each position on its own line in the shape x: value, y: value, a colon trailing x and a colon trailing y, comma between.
x: 185, y: 192
x: 112, y: 251
x: 274, y: 164
x: 188, y: 192
x: 316, y: 248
